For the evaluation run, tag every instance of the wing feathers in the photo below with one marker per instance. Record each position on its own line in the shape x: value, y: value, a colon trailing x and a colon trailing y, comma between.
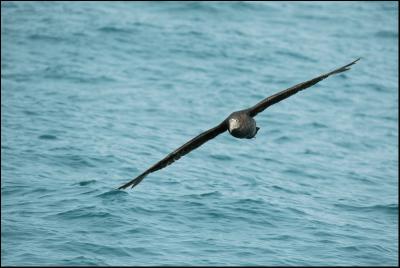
x: 178, y: 153
x: 264, y: 104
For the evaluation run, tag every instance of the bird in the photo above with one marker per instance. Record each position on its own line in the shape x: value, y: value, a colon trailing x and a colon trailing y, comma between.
x: 240, y: 124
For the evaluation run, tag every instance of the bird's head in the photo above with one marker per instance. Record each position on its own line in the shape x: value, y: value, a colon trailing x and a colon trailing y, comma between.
x: 233, y: 124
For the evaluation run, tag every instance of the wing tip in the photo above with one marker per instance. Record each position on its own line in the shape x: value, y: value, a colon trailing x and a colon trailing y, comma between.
x: 344, y: 68
x: 353, y: 62
x: 133, y: 182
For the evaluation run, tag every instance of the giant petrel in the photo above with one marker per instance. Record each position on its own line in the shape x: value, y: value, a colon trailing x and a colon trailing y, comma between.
x: 240, y: 124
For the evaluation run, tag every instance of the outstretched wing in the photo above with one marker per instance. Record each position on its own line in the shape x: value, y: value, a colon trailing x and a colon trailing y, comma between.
x: 181, y: 151
x: 264, y: 104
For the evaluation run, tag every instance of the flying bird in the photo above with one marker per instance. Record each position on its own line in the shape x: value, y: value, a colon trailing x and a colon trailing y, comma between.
x: 240, y: 124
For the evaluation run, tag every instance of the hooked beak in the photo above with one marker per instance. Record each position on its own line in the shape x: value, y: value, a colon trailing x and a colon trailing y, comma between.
x: 233, y: 124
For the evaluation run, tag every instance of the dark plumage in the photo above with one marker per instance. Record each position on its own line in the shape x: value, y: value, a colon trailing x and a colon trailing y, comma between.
x: 240, y: 124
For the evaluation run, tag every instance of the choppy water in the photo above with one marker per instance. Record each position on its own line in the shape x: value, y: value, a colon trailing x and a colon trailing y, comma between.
x: 92, y: 94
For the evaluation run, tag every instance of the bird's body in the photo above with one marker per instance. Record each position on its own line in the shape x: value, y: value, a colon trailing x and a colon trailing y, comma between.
x: 240, y: 124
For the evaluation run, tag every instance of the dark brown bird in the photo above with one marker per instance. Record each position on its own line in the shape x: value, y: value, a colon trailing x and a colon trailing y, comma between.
x: 240, y: 124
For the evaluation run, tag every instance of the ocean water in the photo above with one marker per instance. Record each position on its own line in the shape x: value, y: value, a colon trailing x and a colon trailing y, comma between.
x: 92, y: 94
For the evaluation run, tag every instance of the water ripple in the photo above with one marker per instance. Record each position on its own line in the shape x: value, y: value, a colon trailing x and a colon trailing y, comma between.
x: 95, y: 94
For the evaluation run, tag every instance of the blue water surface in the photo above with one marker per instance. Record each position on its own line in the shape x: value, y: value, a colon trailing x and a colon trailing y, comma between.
x: 94, y: 93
